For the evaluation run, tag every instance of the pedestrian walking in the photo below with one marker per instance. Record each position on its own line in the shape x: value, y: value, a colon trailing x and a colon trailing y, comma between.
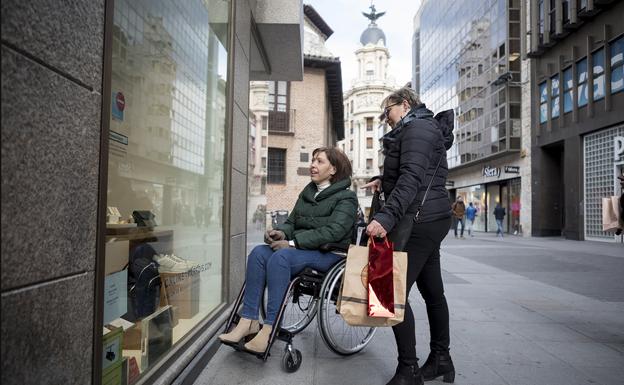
x: 415, y: 155
x: 459, y: 209
x: 499, y: 215
x: 471, y: 214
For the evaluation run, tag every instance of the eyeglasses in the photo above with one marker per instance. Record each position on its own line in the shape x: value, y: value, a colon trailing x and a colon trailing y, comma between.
x: 386, y: 111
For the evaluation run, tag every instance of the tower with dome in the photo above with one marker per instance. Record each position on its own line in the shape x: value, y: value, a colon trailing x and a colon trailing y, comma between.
x: 362, y: 100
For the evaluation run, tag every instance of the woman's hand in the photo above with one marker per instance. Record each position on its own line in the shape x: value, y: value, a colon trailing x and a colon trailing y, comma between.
x: 273, y: 235
x: 278, y: 245
x: 374, y: 185
x: 375, y: 229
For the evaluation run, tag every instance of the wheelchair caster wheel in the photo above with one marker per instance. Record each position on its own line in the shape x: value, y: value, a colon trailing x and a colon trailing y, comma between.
x: 291, y: 361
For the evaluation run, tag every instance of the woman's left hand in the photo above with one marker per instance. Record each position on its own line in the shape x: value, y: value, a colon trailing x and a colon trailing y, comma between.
x: 277, y: 245
x: 375, y: 229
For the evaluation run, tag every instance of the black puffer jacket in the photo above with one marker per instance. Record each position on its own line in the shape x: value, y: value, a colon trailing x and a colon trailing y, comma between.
x: 412, y: 150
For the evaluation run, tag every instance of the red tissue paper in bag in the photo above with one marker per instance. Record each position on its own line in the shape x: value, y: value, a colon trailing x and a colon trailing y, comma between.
x: 380, y: 279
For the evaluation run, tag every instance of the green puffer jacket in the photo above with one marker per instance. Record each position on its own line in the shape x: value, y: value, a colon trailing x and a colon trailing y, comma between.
x: 327, y: 219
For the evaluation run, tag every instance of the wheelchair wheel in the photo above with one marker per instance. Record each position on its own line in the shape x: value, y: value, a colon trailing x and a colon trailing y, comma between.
x: 338, y: 336
x: 300, y: 310
x: 291, y: 360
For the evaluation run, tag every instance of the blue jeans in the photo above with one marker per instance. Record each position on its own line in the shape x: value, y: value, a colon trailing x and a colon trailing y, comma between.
x: 275, y: 269
x: 499, y: 223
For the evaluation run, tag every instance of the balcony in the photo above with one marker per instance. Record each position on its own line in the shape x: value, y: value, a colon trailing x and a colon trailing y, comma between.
x: 282, y: 122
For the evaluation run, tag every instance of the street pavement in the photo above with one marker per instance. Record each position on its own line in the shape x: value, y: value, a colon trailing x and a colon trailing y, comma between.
x: 524, y: 311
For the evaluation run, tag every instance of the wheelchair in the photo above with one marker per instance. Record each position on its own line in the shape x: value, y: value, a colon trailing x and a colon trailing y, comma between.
x: 310, y: 293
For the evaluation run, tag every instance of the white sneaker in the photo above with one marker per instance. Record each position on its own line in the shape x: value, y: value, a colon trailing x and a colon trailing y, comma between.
x: 182, y: 260
x: 169, y: 265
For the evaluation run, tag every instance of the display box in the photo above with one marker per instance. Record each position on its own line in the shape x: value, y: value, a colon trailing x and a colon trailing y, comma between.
x: 112, y: 341
x: 114, y: 376
x: 181, y: 291
x: 117, y: 256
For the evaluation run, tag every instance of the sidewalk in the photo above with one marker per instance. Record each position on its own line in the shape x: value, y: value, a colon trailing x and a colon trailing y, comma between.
x: 517, y: 318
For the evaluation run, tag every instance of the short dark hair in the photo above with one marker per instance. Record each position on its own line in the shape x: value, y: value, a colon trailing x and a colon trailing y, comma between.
x: 339, y: 160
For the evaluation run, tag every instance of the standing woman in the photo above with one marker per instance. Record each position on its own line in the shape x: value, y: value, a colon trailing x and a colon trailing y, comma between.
x: 413, y: 149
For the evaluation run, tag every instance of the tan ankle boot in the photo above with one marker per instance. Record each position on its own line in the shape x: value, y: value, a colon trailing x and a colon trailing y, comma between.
x: 259, y: 343
x: 244, y: 328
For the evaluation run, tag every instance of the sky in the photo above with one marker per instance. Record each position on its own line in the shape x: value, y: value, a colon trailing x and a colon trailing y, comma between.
x: 346, y: 19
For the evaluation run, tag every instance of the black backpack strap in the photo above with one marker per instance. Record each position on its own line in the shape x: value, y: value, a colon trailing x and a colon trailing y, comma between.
x: 429, y: 187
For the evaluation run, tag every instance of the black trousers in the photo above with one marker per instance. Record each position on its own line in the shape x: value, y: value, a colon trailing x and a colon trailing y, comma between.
x: 423, y: 267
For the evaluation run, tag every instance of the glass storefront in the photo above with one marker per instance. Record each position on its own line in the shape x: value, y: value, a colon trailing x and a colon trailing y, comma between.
x: 603, y: 162
x: 485, y: 197
x: 476, y: 195
x: 164, y: 235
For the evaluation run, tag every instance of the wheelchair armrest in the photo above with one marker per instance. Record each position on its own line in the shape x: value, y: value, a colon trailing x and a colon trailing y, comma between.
x: 337, y: 247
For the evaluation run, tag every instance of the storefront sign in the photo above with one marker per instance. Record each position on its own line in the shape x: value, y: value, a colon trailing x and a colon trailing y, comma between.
x: 491, y: 171
x: 618, y: 148
x: 512, y: 169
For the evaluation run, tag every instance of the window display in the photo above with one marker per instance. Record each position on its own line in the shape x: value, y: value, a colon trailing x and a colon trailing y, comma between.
x: 164, y: 233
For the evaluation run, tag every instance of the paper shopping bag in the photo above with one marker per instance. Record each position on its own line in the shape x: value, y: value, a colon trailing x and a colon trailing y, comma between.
x: 610, y: 210
x: 353, y: 299
x: 380, y: 279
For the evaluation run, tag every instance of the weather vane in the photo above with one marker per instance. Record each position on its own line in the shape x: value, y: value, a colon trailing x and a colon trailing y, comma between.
x: 373, y: 15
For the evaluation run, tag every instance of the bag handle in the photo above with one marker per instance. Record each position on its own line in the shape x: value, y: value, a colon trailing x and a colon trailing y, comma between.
x: 372, y: 240
x: 428, y: 187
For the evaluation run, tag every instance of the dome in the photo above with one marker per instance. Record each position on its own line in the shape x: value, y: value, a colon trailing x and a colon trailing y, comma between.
x: 372, y: 35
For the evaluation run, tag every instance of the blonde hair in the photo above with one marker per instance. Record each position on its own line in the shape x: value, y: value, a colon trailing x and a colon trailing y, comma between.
x: 398, y: 96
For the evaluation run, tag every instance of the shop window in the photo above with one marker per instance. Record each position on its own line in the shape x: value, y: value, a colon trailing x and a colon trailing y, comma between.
x: 568, y: 90
x: 369, y: 143
x: 165, y: 181
x: 581, y: 71
x: 598, y: 72
x: 369, y: 124
x: 617, y: 65
x: 554, y: 96
x: 276, y: 173
x: 543, y: 95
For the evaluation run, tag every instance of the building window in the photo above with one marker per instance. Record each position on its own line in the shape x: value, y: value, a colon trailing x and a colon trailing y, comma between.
x: 565, y: 8
x: 369, y: 124
x: 351, y: 106
x: 351, y: 129
x: 265, y: 123
x: 540, y: 20
x: 617, y: 65
x: 369, y: 164
x: 369, y: 143
x: 581, y: 5
x: 264, y: 142
x: 276, y: 174
x: 263, y: 162
x: 543, y: 102
x: 581, y: 71
x: 304, y: 157
x: 278, y: 106
x: 554, y: 96
x: 598, y: 69
x: 552, y: 18
x: 351, y: 145
x: 568, y: 90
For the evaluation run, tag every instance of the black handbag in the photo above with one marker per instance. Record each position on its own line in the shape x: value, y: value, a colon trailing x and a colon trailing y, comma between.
x: 144, y: 218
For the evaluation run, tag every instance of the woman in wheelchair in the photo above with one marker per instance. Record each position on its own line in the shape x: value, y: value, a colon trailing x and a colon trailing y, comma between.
x: 325, y: 212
